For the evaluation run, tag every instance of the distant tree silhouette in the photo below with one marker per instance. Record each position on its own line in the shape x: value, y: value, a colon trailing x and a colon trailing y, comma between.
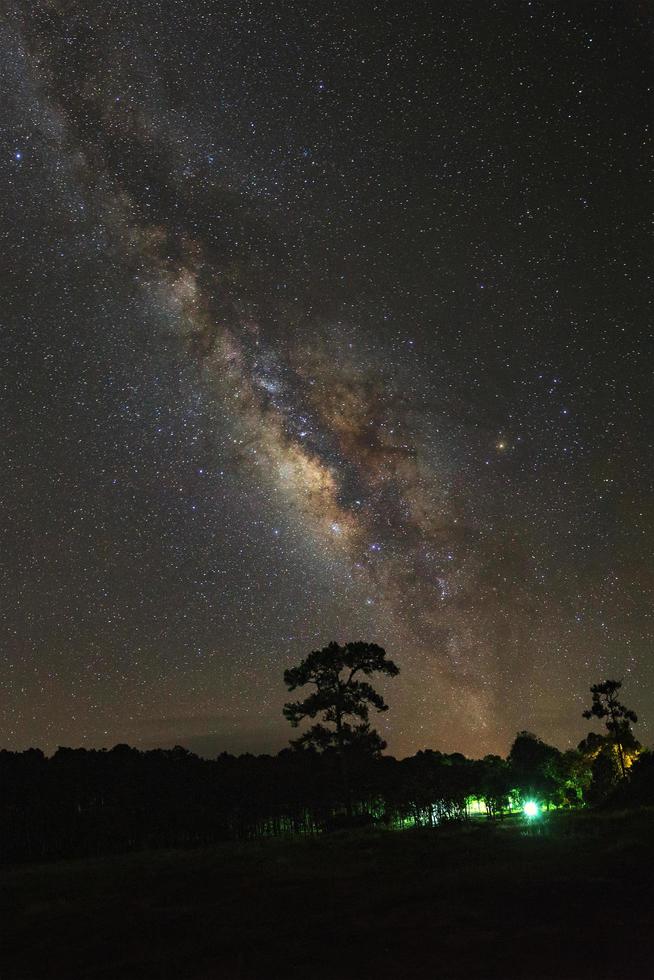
x: 535, y: 768
x: 605, y: 773
x: 342, y: 699
x: 618, y: 718
x: 576, y: 775
x: 638, y: 790
x: 494, y: 782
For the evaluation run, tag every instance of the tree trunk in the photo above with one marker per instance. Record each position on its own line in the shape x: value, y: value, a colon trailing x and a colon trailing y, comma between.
x: 345, y: 776
x: 616, y: 733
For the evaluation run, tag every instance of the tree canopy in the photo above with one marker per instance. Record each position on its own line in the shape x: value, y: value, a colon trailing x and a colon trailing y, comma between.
x: 342, y: 698
x: 617, y: 716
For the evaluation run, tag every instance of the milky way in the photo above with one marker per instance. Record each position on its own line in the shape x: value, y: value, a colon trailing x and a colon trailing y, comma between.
x: 323, y: 325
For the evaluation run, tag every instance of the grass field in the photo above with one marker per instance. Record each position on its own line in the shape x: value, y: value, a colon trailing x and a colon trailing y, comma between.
x: 568, y: 900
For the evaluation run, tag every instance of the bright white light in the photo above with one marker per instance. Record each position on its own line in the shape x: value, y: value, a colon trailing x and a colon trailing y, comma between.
x: 530, y: 809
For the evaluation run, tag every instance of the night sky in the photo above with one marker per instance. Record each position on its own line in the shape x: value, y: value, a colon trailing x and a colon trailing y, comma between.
x: 323, y: 322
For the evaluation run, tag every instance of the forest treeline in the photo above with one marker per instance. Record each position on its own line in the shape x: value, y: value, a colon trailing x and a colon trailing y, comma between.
x: 82, y: 802
x: 85, y: 802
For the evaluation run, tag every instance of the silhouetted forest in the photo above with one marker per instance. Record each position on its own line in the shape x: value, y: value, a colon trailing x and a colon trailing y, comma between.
x: 88, y: 802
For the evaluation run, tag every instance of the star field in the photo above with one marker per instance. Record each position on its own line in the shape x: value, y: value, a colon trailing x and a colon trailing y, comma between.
x: 323, y: 323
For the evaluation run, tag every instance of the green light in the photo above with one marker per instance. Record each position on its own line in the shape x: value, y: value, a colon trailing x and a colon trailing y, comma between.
x: 530, y: 809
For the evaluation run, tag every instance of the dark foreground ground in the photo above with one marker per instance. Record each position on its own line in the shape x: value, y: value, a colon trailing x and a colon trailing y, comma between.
x: 569, y: 901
